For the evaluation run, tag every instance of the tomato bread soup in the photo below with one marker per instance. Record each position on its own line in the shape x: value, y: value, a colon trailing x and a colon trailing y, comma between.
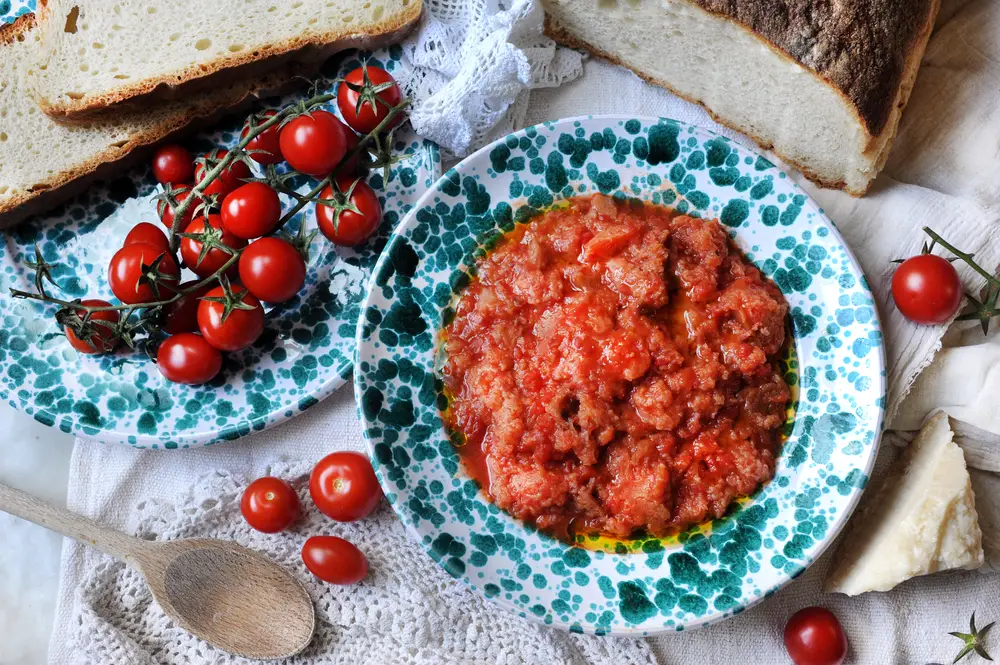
x: 612, y: 369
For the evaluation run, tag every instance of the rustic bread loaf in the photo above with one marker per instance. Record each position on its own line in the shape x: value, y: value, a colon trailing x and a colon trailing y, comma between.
x: 43, y: 162
x: 97, y: 53
x: 822, y: 84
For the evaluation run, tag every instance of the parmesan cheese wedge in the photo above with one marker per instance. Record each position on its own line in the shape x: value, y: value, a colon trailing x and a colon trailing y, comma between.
x: 921, y: 520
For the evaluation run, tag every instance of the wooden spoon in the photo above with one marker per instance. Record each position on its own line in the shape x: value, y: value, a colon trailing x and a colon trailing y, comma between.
x: 228, y: 595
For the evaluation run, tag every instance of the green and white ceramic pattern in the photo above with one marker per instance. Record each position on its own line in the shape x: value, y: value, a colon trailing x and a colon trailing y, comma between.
x: 652, y: 585
x: 305, y: 353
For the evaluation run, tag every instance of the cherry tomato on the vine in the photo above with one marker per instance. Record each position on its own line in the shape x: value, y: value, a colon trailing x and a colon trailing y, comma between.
x: 166, y: 211
x: 373, y: 111
x: 188, y: 358
x: 142, y: 273
x: 173, y: 164
x: 334, y: 560
x: 147, y: 233
x: 344, y: 486
x: 231, y: 178
x: 270, y: 505
x: 240, y: 329
x: 314, y: 143
x: 182, y: 314
x: 100, y: 324
x: 251, y: 211
x: 272, y: 269
x: 346, y: 227
x: 204, y: 263
x: 266, y: 143
x: 813, y: 636
x: 927, y: 289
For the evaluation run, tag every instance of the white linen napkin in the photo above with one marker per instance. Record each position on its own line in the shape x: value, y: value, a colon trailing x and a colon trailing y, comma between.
x: 944, y: 172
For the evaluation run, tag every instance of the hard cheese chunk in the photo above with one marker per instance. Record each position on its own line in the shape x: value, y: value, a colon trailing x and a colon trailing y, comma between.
x: 921, y: 520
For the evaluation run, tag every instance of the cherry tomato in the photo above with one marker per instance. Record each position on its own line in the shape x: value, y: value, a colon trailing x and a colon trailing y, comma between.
x: 101, y: 341
x: 813, y: 636
x: 927, y: 289
x: 266, y: 142
x: 270, y: 505
x: 372, y: 112
x: 353, y: 165
x: 228, y: 180
x: 132, y: 284
x: 188, y: 358
x: 240, y: 329
x: 343, y: 486
x: 182, y: 314
x: 166, y: 211
x: 251, y: 211
x: 173, y: 164
x: 272, y: 269
x: 215, y: 258
x: 147, y: 233
x: 315, y: 143
x: 334, y: 560
x: 350, y: 228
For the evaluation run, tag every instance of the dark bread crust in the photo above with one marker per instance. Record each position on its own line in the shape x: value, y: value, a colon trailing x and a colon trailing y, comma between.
x: 894, y: 105
x: 198, y: 78
x: 207, y: 110
x: 861, y: 47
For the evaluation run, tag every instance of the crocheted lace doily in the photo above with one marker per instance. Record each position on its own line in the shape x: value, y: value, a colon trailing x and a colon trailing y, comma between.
x: 470, y: 66
x: 408, y: 610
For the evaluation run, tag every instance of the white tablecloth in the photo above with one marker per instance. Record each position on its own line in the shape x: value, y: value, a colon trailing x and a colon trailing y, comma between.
x: 944, y: 171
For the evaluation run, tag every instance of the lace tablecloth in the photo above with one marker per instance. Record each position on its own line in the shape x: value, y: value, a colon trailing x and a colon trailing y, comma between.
x: 472, y: 85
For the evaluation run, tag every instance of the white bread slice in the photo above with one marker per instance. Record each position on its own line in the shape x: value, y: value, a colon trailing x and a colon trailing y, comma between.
x: 921, y: 520
x: 822, y: 84
x: 96, y: 53
x: 43, y: 162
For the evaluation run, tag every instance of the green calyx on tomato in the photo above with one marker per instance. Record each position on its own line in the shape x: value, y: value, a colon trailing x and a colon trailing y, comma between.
x: 230, y: 300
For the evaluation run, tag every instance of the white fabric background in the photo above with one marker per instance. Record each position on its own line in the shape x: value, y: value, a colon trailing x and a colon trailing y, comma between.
x: 944, y: 171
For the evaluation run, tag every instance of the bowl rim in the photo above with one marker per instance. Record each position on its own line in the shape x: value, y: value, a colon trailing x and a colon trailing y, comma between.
x: 850, y: 502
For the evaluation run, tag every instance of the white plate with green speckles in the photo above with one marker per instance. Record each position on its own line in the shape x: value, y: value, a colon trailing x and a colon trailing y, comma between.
x: 305, y: 353
x: 649, y: 585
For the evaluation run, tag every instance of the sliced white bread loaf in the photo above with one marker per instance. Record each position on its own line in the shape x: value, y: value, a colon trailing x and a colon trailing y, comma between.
x: 96, y: 53
x: 821, y: 83
x: 43, y: 162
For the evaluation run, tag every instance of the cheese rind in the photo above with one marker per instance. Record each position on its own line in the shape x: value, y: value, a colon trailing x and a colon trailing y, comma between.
x: 921, y: 520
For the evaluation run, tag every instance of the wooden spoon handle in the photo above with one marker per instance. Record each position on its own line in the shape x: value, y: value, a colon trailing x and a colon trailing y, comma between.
x: 88, y: 532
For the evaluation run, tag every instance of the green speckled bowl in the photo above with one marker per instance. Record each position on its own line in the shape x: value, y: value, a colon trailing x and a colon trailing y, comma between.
x: 305, y: 353
x: 709, y: 573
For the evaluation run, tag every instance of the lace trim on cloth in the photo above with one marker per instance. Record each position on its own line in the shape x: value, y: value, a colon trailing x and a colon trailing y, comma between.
x: 408, y: 610
x: 470, y: 66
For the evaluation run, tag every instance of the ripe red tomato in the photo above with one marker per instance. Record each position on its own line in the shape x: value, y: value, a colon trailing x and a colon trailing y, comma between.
x: 266, y: 142
x: 251, y: 211
x: 927, y: 289
x: 334, y: 560
x: 315, y: 143
x: 144, y: 232
x: 132, y: 284
x: 215, y: 258
x: 348, y: 227
x: 270, y: 505
x: 101, y: 341
x: 172, y: 164
x: 372, y: 112
x: 813, y: 636
x: 228, y: 180
x: 344, y: 486
x: 182, y: 314
x: 240, y: 329
x: 166, y: 211
x: 272, y: 269
x: 188, y: 358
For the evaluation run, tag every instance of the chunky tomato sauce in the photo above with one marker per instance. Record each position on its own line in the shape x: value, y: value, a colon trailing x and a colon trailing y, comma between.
x: 613, y: 369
